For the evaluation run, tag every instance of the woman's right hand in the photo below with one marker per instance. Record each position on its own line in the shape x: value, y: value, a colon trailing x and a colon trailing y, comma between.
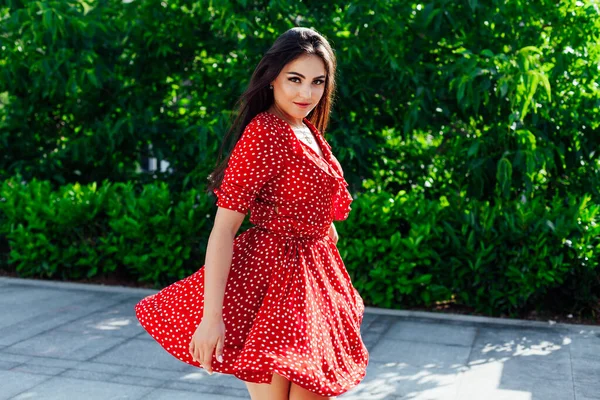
x: 210, y: 334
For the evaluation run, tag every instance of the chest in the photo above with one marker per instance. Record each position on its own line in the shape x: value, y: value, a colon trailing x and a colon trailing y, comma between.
x: 308, y: 139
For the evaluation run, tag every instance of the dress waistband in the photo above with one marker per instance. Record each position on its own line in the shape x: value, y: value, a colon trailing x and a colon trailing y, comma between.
x: 289, y: 235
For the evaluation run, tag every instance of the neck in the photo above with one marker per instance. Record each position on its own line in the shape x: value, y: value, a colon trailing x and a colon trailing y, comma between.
x: 294, y: 122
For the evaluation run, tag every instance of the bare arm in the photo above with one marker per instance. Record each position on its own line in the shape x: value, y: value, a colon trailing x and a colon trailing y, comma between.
x: 219, y: 254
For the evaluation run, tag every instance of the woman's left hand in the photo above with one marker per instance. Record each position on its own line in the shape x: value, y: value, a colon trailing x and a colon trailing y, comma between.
x: 333, y: 233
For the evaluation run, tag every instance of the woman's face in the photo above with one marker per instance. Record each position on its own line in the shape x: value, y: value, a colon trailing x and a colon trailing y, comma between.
x: 299, y: 86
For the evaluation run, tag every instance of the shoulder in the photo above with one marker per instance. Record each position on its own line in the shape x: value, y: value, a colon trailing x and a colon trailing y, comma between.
x: 266, y: 122
x: 266, y: 126
x: 261, y: 136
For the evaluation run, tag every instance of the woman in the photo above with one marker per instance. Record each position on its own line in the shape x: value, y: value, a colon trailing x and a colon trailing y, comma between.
x: 273, y: 306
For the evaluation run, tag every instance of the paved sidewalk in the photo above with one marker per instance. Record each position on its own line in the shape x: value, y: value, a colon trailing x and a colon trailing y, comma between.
x: 73, y: 341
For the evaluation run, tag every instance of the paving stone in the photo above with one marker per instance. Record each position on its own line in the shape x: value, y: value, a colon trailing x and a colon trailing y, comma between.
x: 431, y: 332
x: 54, y: 314
x: 38, y: 369
x: 167, y: 394
x: 6, y: 365
x: 100, y: 367
x: 116, y: 320
x: 153, y: 373
x: 144, y: 335
x: 197, y: 375
x: 14, y: 382
x: 586, y: 378
x: 28, y: 302
x: 136, y: 380
x: 61, y: 388
x: 371, y: 339
x: 381, y: 324
x: 207, y: 389
x: 420, y: 354
x: 14, y: 357
x: 88, y: 375
x: 534, y: 362
x: 368, y: 319
x: 142, y: 353
x: 402, y: 381
x: 511, y: 338
x: 585, y: 345
x: 65, y: 345
x: 489, y: 381
x: 52, y: 362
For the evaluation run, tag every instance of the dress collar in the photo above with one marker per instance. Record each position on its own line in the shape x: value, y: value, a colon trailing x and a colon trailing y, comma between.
x: 328, y: 164
x: 325, y: 162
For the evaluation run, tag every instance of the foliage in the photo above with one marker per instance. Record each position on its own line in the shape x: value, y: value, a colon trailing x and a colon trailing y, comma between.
x: 468, y: 132
x: 87, y: 231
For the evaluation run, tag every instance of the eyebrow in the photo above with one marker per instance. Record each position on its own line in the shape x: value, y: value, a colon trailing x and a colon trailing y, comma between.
x: 303, y: 77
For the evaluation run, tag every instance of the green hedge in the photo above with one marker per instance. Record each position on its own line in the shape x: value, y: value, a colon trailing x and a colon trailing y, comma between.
x: 499, y: 258
x: 88, y: 231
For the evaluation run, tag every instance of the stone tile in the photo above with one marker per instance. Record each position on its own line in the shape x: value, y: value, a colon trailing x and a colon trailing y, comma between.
x: 144, y: 335
x: 65, y: 345
x: 489, y: 381
x: 23, y: 294
x: 195, y: 375
x: 511, y: 338
x: 579, y: 396
x: 368, y: 319
x: 524, y: 353
x: 402, y: 381
x: 18, y: 358
x: 371, y: 339
x: 153, y: 373
x: 87, y: 375
x: 61, y: 388
x: 585, y: 345
x: 6, y: 365
x: 136, y: 380
x: 535, y: 362
x: 432, y: 332
x: 586, y: 378
x: 222, y: 391
x: 14, y: 383
x: 100, y: 367
x: 116, y: 320
x: 420, y: 354
x: 381, y: 324
x: 27, y: 302
x: 167, y: 394
x: 38, y: 369
x: 52, y: 314
x: 142, y: 353
x: 52, y: 362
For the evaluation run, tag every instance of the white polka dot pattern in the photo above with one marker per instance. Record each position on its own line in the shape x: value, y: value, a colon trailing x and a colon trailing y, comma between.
x: 289, y: 304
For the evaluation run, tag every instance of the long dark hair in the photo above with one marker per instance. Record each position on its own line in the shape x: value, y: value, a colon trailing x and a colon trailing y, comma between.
x: 258, y: 97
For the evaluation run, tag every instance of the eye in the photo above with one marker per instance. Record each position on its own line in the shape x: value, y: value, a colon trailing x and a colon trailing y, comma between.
x: 292, y: 79
x: 319, y: 81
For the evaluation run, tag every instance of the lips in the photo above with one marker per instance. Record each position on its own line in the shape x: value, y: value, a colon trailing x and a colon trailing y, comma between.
x: 302, y: 104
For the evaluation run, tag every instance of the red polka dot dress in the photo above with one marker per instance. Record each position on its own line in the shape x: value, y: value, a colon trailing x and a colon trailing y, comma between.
x: 289, y: 306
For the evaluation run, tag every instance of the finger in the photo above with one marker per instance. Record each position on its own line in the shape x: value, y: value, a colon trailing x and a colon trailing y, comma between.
x: 192, y: 348
x: 219, y: 351
x: 198, y: 354
x: 207, y: 358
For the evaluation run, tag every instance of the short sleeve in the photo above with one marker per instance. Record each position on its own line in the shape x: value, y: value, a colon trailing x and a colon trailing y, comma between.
x: 257, y: 157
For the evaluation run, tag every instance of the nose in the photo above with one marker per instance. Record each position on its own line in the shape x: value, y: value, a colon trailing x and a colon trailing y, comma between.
x: 306, y: 92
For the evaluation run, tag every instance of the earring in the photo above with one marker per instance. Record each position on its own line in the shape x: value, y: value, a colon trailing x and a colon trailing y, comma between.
x: 271, y: 87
